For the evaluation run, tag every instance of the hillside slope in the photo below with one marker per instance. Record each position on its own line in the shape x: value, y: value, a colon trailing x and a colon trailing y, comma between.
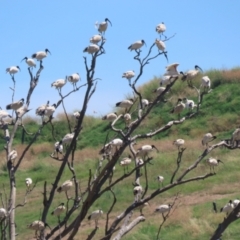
x: 193, y: 213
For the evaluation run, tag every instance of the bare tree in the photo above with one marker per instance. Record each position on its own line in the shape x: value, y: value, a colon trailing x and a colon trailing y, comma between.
x: 100, y: 180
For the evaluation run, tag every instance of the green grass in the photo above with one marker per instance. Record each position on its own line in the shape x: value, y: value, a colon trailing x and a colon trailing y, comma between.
x: 219, y: 114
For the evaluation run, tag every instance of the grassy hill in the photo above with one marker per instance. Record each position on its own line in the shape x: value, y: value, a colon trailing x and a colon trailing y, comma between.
x: 193, y: 213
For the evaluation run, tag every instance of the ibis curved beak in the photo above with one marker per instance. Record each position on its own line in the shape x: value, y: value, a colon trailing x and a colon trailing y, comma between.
x: 48, y: 51
x: 24, y: 59
x: 109, y: 21
x: 199, y: 68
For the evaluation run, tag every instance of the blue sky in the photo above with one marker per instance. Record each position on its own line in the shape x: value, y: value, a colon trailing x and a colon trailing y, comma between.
x: 207, y: 34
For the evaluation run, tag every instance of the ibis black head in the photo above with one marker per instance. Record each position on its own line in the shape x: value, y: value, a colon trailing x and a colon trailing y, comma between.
x: 219, y: 161
x: 197, y: 67
x: 46, y: 225
x: 22, y: 100
x: 143, y: 42
x: 62, y: 204
x: 107, y: 20
x: 46, y: 50
x: 24, y: 59
x: 54, y: 105
x: 179, y: 100
x: 18, y: 67
x: 153, y: 146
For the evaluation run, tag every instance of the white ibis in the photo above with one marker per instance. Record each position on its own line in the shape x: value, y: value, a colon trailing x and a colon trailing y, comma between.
x: 178, y: 108
x: 179, y: 143
x: 102, y: 27
x: 213, y: 162
x: 15, y: 105
x: 12, y: 70
x: 93, y: 48
x: 136, y: 45
x: 28, y: 182
x: 208, y: 137
x: 41, y: 54
x: 191, y: 74
x: 95, y: 216
x: 30, y: 62
x: 74, y: 78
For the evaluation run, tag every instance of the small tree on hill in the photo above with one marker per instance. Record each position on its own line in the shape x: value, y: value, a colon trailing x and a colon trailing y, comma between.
x: 124, y: 132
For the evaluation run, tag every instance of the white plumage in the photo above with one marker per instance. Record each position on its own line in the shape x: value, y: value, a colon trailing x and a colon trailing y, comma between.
x: 125, y: 162
x: 46, y: 110
x: 163, y: 208
x: 125, y: 103
x: 12, y: 156
x: 102, y: 27
x: 206, y: 83
x: 165, y: 80
x: 68, y: 138
x: 228, y: 207
x: 208, y: 137
x: 235, y: 137
x: 41, y: 110
x: 179, y: 142
x: 12, y: 70
x: 145, y: 149
x: 76, y: 114
x: 22, y: 110
x: 15, y: 105
x: 145, y: 103
x: 30, y: 62
x: 236, y: 202
x: 117, y: 142
x: 59, y: 210
x: 160, y: 28
x: 37, y: 225
x: 41, y: 54
x: 159, y: 90
x: 137, y: 192
x: 160, y: 45
x: 66, y: 186
x: 106, y: 150
x: 95, y: 216
x: 128, y: 74
x: 191, y: 74
x: 59, y: 83
x: 139, y: 161
x: 50, y: 110
x: 74, y: 78
x: 91, y: 49
x: 3, y: 213
x: 136, y: 45
x: 127, y: 118
x: 171, y: 70
x: 28, y: 182
x: 96, y: 39
x: 213, y: 162
x: 4, y: 114
x: 58, y: 148
x: 178, y: 108
x: 189, y: 104
x: 160, y: 179
x: 110, y: 117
